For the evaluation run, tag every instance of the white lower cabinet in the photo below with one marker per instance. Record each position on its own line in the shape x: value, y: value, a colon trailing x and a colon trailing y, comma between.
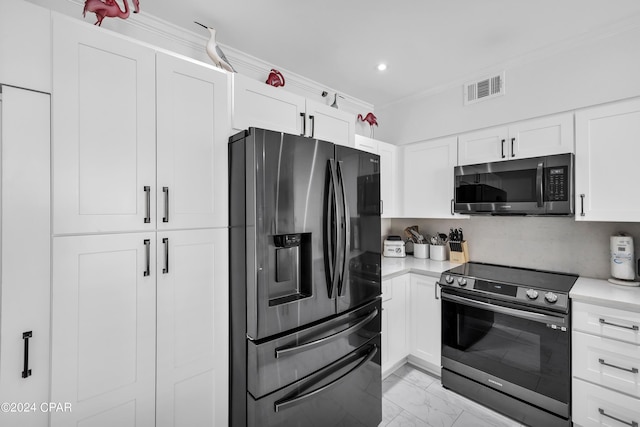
x: 140, y: 332
x: 605, y: 365
x: 25, y: 256
x: 425, y: 323
x: 395, y: 323
x: 192, y: 328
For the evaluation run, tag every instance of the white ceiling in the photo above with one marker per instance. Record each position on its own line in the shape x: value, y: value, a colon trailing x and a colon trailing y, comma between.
x: 426, y: 43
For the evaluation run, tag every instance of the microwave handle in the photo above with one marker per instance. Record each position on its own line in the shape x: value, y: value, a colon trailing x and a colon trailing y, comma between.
x: 539, y: 185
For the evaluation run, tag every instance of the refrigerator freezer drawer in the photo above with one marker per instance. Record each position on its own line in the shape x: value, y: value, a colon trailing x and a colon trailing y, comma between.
x: 277, y: 363
x: 345, y: 393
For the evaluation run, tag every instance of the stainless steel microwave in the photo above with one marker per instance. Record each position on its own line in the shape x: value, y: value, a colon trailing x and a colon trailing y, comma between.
x: 534, y: 186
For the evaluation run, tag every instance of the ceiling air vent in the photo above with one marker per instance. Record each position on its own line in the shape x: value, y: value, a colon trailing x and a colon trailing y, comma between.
x: 483, y: 89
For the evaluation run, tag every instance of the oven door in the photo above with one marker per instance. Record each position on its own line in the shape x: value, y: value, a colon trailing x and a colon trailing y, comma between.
x: 524, y: 353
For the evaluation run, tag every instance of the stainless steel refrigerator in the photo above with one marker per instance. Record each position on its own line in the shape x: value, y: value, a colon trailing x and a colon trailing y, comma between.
x: 304, y: 282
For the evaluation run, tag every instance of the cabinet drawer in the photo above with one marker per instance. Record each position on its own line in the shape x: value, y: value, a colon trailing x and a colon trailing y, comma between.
x: 607, y: 322
x: 611, y: 363
x: 598, y: 406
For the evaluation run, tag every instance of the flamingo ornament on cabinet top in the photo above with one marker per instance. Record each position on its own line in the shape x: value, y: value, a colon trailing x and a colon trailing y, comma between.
x: 109, y: 9
x: 369, y: 118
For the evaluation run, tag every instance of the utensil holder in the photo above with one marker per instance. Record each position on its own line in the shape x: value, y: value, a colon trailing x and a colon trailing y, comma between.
x: 420, y: 250
x: 438, y: 252
x: 457, y: 255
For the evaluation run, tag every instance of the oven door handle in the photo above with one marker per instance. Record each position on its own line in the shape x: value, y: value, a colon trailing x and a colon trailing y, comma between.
x: 522, y: 314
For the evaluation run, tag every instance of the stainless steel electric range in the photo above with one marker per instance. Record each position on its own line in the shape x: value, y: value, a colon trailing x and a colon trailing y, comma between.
x: 506, y: 340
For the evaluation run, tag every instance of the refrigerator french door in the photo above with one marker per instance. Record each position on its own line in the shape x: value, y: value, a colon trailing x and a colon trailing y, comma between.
x: 304, y: 276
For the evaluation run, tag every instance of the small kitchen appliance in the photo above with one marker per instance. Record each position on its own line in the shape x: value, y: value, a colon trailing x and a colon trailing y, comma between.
x: 394, y: 247
x: 622, y: 261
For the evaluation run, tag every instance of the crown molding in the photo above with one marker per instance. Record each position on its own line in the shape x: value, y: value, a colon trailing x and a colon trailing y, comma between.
x: 169, y: 36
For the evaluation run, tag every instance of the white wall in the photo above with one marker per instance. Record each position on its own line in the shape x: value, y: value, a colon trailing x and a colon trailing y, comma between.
x: 593, y: 71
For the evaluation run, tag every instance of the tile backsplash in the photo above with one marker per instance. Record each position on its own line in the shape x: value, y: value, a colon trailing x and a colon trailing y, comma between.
x: 546, y: 243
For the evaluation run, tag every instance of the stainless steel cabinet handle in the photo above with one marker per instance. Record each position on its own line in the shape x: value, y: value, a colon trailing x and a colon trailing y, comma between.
x: 540, y: 185
x: 165, y: 190
x: 502, y: 149
x: 147, y: 249
x: 361, y: 322
x: 435, y: 289
x: 282, y: 405
x: 381, y: 207
x: 165, y: 270
x: 632, y: 327
x: 632, y: 370
x: 512, y: 153
x: 582, y: 205
x: 26, y: 372
x: 313, y: 125
x: 304, y: 124
x: 629, y: 423
x: 147, y: 190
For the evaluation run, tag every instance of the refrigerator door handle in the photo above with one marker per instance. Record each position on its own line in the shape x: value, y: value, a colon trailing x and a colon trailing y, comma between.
x: 282, y: 405
x: 331, y: 232
x: 346, y: 247
x: 361, y: 322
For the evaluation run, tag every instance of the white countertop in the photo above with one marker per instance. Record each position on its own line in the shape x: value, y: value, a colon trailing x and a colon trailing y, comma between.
x: 602, y: 292
x: 392, y: 267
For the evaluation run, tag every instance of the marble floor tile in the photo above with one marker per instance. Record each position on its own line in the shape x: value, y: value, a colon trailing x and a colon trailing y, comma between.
x: 426, y: 406
x: 406, y: 419
x: 412, y: 397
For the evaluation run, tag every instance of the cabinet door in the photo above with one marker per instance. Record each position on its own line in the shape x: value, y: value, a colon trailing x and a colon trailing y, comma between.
x: 366, y: 144
x: 25, y: 51
x: 428, y: 178
x: 257, y: 104
x: 330, y: 124
x: 389, y: 181
x: 191, y: 144
x: 486, y: 145
x: 398, y: 333
x: 541, y: 137
x: 192, y: 372
x: 607, y: 153
x: 425, y: 320
x: 103, y: 130
x: 25, y: 242
x: 103, y: 330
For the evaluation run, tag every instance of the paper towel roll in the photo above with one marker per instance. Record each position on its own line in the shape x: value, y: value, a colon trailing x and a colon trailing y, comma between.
x: 622, y: 259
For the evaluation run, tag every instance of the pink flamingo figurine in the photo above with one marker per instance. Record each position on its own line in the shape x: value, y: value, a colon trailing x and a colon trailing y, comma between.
x: 369, y: 118
x: 109, y: 9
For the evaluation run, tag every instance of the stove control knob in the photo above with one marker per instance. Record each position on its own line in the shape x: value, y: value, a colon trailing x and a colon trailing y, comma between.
x: 462, y: 281
x: 532, y: 294
x: 551, y: 297
x: 448, y: 279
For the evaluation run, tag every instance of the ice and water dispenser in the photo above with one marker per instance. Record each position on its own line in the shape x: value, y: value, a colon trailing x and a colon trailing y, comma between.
x: 290, y: 262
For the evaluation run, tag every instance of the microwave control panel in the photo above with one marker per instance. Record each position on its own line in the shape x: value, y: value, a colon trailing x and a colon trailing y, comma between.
x: 557, y: 184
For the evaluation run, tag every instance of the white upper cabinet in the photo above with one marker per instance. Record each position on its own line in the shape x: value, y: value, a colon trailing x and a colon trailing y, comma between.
x: 104, y: 130
x: 25, y: 50
x: 428, y: 178
x: 257, y: 104
x: 486, y: 145
x: 531, y: 138
x: 192, y: 130
x: 607, y: 153
x: 389, y: 180
x: 330, y: 124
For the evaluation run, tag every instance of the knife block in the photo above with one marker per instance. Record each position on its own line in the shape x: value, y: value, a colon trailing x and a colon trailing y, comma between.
x: 455, y: 255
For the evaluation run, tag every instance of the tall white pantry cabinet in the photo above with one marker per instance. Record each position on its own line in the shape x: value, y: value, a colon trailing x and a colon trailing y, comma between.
x: 139, y: 287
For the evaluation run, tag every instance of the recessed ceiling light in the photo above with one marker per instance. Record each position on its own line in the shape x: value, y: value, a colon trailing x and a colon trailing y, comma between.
x: 382, y: 67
